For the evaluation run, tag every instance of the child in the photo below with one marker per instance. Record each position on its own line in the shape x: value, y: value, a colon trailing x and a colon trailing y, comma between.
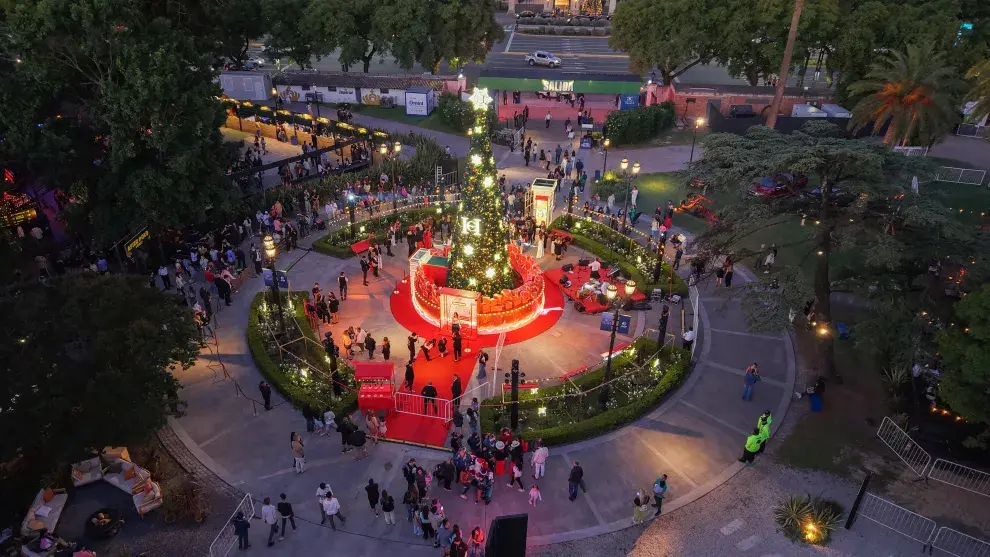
x: 534, y: 495
x: 442, y: 346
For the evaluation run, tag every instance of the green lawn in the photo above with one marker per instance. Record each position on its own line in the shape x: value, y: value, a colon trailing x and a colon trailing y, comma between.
x: 673, y: 136
x: 398, y: 114
x: 970, y: 203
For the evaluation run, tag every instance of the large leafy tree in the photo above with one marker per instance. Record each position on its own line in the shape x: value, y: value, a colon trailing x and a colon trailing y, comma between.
x: 241, y: 22
x: 864, y: 211
x: 289, y: 37
x: 915, y: 93
x: 116, y: 104
x: 86, y: 363
x: 672, y: 36
x: 751, y: 40
x: 980, y: 91
x: 429, y: 32
x: 357, y: 29
x: 965, y: 349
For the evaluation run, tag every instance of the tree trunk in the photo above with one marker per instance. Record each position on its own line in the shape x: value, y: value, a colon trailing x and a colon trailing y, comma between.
x: 436, y: 65
x: 890, y: 138
x: 823, y: 287
x: 785, y: 64
x: 752, y: 76
x: 368, y: 58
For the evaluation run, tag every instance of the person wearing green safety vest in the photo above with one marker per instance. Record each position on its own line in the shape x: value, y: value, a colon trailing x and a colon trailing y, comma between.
x: 752, y: 446
x: 763, y: 424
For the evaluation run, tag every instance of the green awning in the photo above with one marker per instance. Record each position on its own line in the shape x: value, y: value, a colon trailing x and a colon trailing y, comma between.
x: 561, y: 85
x: 437, y: 261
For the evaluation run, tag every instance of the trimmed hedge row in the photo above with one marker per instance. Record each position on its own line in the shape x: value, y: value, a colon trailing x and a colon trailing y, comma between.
x: 641, y: 272
x: 562, y: 30
x: 675, y: 360
x: 315, y: 392
x: 338, y: 243
x: 639, y: 124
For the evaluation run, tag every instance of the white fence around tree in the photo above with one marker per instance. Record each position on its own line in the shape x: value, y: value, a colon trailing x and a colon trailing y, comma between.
x: 916, y: 458
x: 227, y: 539
x: 971, y: 130
x: 960, y: 175
x: 960, y: 476
x: 897, y: 518
x: 956, y: 543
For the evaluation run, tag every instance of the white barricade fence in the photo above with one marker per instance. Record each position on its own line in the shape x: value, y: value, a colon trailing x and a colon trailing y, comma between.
x: 912, y: 151
x: 960, y: 476
x: 956, y: 543
x: 897, y: 518
x: 411, y: 403
x: 960, y: 175
x: 906, y: 449
x: 227, y: 539
x: 971, y: 130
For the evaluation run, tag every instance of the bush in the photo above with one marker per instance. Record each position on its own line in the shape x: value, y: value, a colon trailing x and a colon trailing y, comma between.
x: 584, y: 32
x: 454, y: 112
x: 608, y: 245
x: 338, y: 244
x: 642, y: 377
x: 298, y: 384
x: 639, y: 124
x: 808, y: 519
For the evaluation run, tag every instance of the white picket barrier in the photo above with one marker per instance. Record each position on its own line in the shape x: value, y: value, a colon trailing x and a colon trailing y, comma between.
x: 906, y: 449
x: 960, y: 476
x: 897, y: 518
x: 956, y: 543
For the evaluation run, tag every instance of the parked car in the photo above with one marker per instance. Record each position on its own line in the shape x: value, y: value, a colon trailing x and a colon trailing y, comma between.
x: 543, y: 58
x: 255, y: 62
x: 780, y: 185
x: 526, y: 13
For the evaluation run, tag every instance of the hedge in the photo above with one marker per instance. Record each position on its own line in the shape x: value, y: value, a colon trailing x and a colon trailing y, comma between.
x: 640, y: 271
x: 315, y: 392
x: 562, y: 30
x: 675, y: 362
x: 338, y: 243
x: 639, y: 124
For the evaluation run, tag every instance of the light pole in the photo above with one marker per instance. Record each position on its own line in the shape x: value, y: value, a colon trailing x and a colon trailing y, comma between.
x: 271, y: 253
x: 616, y: 301
x: 350, y: 210
x: 512, y: 380
x: 605, y: 143
x: 697, y: 124
x: 396, y: 148
x: 628, y: 177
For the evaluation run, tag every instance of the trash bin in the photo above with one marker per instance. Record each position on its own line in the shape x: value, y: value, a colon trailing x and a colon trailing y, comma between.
x: 816, y: 402
x: 598, y: 175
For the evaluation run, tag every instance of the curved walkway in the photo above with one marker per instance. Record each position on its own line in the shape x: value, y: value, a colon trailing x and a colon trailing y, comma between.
x: 695, y: 436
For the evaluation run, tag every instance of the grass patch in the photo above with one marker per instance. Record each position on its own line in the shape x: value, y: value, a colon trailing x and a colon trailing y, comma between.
x: 398, y: 114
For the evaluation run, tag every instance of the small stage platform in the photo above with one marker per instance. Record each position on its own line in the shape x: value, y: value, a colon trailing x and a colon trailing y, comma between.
x: 580, y: 275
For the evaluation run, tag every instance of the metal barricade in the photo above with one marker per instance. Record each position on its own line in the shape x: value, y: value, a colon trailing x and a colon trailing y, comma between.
x: 897, y: 518
x: 906, y: 449
x: 226, y: 539
x: 961, y: 476
x: 411, y: 403
x: 912, y: 151
x: 971, y: 130
x: 960, y: 175
x: 956, y: 543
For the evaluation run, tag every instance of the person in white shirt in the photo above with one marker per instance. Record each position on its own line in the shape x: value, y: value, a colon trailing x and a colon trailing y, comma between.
x: 269, y: 515
x: 595, y: 266
x: 540, y: 460
x: 688, y: 339
x: 331, y: 507
x: 321, y: 497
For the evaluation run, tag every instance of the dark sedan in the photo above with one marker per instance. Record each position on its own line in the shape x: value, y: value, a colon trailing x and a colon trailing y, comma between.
x: 780, y: 185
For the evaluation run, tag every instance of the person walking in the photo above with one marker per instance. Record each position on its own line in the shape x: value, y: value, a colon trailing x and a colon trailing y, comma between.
x: 476, y: 543
x: 268, y: 516
x: 373, y: 495
x: 752, y: 447
x: 256, y: 257
x: 298, y: 458
x: 770, y: 259
x: 429, y: 394
x: 458, y: 346
x: 659, y: 492
x: 388, y: 507
x: 409, y: 377
x: 752, y: 376
x: 548, y: 118
x: 266, y: 394
x: 285, y: 511
x: 331, y: 507
x: 342, y: 285
x: 472, y: 417
x: 574, y: 480
x: 321, y: 497
x: 241, y: 526
x: 163, y: 272
x: 534, y: 495
x: 455, y: 392
x: 515, y: 476
x: 540, y: 456
x: 411, y: 345
x: 687, y: 339
x: 333, y: 306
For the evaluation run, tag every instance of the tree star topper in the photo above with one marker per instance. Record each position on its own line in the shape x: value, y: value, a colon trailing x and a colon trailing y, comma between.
x: 480, y: 99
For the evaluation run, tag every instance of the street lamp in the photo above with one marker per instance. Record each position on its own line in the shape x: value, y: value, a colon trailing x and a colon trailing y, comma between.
x: 616, y: 301
x: 697, y: 124
x: 350, y: 209
x: 628, y: 177
x: 605, y: 143
x: 397, y: 147
x: 271, y: 253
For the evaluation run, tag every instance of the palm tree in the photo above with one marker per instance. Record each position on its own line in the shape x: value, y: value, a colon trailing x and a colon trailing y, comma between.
x: 980, y: 93
x: 785, y: 64
x: 915, y: 92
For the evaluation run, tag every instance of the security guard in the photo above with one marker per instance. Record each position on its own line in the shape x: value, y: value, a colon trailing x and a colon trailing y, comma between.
x: 752, y: 446
x: 763, y: 424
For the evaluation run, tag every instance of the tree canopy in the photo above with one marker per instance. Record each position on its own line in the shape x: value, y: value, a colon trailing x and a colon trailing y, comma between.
x: 965, y: 349
x: 429, y: 32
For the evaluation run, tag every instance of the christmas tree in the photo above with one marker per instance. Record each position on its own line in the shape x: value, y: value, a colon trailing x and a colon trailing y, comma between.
x: 479, y: 260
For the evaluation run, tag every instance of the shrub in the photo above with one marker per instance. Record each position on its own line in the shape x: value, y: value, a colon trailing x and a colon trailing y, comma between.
x: 640, y: 123
x: 583, y: 31
x: 526, y: 21
x: 454, y: 112
x: 551, y: 30
x: 808, y: 519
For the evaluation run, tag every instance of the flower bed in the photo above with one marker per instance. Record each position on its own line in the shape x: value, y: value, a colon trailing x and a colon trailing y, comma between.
x: 608, y: 245
x: 571, y: 412
x: 303, y: 380
x: 338, y: 243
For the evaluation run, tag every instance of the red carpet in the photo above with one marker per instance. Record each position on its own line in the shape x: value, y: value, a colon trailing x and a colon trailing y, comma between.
x: 578, y: 277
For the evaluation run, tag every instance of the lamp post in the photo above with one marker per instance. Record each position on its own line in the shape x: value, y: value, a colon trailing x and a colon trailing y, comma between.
x: 605, y: 143
x: 396, y: 148
x: 512, y: 380
x: 616, y: 301
x: 350, y: 210
x: 628, y: 177
x: 271, y: 253
x: 697, y: 124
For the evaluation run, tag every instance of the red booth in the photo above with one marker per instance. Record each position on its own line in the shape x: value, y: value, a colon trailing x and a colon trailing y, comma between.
x: 376, y: 387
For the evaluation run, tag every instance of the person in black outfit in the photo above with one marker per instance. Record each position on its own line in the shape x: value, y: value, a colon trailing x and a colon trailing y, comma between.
x: 409, y: 377
x: 266, y: 394
x: 369, y: 345
x: 411, y: 242
x: 241, y: 526
x: 365, y: 267
x: 574, y: 480
x: 373, y: 495
x: 285, y: 510
x: 411, y: 345
x: 429, y: 394
x: 342, y: 284
x: 448, y: 473
x: 456, y: 390
x: 322, y: 310
x: 458, y: 347
x: 336, y: 379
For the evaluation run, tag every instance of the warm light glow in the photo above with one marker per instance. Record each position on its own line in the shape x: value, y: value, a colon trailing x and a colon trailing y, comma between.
x: 636, y: 168
x: 468, y: 249
x: 480, y: 99
x: 476, y: 159
x: 473, y: 282
x: 490, y: 272
x: 823, y: 331
x: 397, y: 146
x: 383, y: 148
x: 624, y: 164
x: 362, y: 228
x: 607, y: 142
x: 477, y: 129
x: 699, y: 122
x: 488, y: 181
x: 611, y: 291
x: 630, y: 287
x: 269, y: 244
x: 541, y: 411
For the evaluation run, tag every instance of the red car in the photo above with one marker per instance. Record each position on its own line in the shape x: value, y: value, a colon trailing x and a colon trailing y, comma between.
x: 781, y: 185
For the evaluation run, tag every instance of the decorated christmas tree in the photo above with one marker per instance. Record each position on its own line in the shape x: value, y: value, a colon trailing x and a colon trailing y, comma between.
x: 479, y: 260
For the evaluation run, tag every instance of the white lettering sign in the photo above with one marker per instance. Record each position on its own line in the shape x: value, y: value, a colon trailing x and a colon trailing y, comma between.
x: 471, y: 226
x: 558, y: 86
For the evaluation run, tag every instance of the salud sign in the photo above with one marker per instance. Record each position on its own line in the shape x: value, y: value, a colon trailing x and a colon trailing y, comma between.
x: 624, y: 323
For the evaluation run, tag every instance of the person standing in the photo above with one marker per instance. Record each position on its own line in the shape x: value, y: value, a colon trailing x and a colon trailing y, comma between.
x: 321, y: 497
x: 752, y: 447
x: 574, y: 480
x: 365, y: 267
x: 373, y: 495
x: 342, y: 285
x: 166, y: 281
x: 333, y: 306
x: 458, y: 346
x: 548, y: 118
x: 678, y: 253
x: 268, y: 516
x: 331, y: 507
x: 659, y: 492
x: 386, y: 349
x: 556, y: 155
x: 429, y: 394
x: 763, y: 424
x: 752, y: 376
x: 256, y: 257
x: 687, y: 339
x: 476, y: 545
x: 369, y: 345
x: 411, y: 345
x: 455, y: 391
x: 409, y: 377
x: 388, y: 507
x: 285, y: 511
x: 266, y: 394
x: 540, y: 456
x: 298, y: 458
x: 241, y: 526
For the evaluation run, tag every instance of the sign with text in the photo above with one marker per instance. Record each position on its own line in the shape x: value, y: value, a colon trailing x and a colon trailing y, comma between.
x: 624, y: 323
x: 281, y: 276
x: 629, y: 101
x: 558, y: 86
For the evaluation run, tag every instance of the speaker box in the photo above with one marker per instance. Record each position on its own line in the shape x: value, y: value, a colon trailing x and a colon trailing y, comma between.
x: 507, y: 536
x: 567, y: 268
x: 584, y: 262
